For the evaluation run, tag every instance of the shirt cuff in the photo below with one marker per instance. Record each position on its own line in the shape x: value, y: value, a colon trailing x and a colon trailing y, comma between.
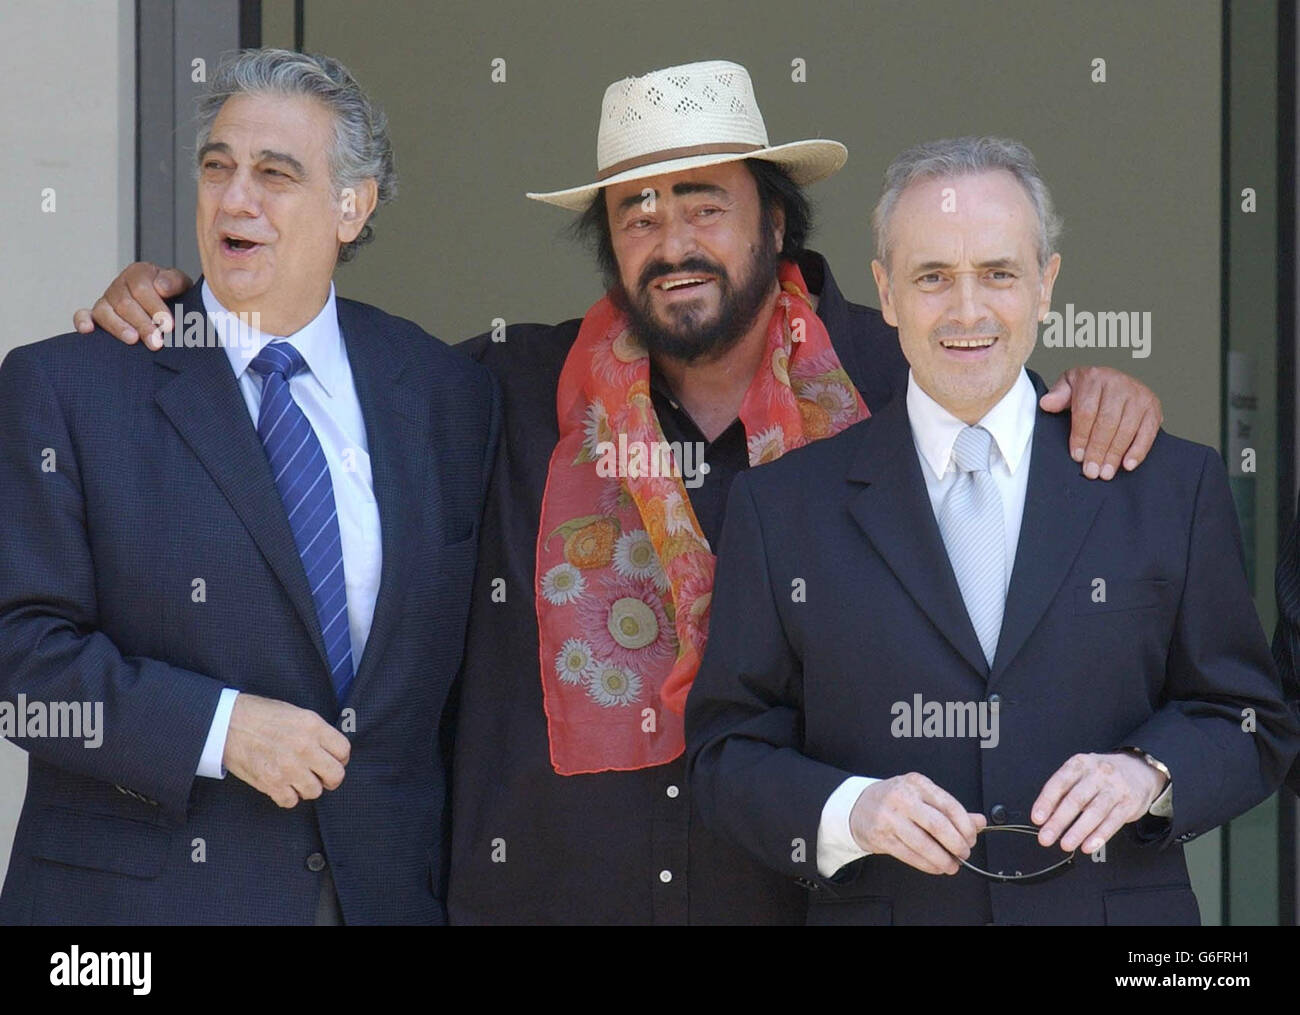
x: 835, y: 843
x: 214, y: 748
x: 1163, y: 805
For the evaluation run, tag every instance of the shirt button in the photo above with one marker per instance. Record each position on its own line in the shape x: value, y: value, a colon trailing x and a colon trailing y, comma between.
x: 994, y: 699
x: 316, y: 863
x: 672, y: 792
x: 665, y: 876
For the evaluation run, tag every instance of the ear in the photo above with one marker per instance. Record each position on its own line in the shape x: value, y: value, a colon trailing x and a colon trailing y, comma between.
x: 1046, y: 284
x: 887, y: 309
x: 778, y: 228
x: 356, y: 205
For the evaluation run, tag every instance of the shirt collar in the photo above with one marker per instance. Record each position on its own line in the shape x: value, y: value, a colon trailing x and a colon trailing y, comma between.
x: 935, y: 429
x: 320, y: 341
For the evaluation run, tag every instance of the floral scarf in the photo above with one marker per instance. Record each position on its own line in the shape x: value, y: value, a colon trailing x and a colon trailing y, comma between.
x: 624, y: 574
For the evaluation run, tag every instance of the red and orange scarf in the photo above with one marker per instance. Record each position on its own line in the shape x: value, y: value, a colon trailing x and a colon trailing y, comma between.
x: 624, y: 574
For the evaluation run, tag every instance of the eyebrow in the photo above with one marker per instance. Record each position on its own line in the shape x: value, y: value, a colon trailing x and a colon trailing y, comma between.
x: 680, y: 190
x: 997, y: 262
x: 265, y: 155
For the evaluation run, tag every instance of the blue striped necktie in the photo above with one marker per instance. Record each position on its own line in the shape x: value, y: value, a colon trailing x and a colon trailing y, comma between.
x: 970, y: 521
x: 303, y: 478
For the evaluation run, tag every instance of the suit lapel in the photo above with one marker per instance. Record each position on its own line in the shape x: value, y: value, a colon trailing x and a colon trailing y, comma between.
x: 398, y: 432
x: 204, y: 404
x: 1060, y: 505
x: 894, y: 511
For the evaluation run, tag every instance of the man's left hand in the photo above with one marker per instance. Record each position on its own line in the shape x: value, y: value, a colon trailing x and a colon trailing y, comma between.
x: 1092, y: 796
x: 1114, y: 418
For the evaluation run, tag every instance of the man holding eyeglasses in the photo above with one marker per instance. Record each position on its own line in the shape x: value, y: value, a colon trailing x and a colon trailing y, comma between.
x: 932, y: 626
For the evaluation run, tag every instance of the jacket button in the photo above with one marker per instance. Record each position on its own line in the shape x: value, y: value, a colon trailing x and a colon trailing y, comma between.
x: 998, y: 815
x: 316, y: 863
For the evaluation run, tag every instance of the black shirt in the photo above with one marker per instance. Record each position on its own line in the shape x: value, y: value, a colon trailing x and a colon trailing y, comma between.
x: 531, y: 846
x: 725, y: 456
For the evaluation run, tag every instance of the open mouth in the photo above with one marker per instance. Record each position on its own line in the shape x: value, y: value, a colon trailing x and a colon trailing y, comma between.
x: 684, y: 283
x: 969, y: 344
x: 237, y: 244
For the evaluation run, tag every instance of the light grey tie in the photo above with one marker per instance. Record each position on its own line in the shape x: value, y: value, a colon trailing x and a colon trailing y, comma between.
x: 970, y: 521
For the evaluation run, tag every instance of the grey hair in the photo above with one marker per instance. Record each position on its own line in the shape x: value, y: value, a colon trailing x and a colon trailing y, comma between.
x: 955, y: 157
x: 362, y: 149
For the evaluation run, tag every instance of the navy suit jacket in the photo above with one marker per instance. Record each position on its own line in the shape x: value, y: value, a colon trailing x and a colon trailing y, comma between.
x: 794, y: 696
x: 159, y: 479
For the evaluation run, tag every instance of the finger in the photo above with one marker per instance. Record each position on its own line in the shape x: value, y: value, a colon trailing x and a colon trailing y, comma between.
x: 83, y: 322
x: 1104, y: 832
x: 329, y: 770
x: 1089, y: 819
x: 336, y: 743
x: 943, y: 831
x: 1145, y: 437
x: 1083, y: 416
x: 106, y: 317
x: 307, y: 786
x: 1067, y: 810
x: 285, y: 796
x: 919, y: 841
x: 1061, y: 782
x: 1058, y: 395
x: 1123, y: 439
x: 128, y: 310
x: 957, y: 816
x: 151, y: 307
x: 171, y: 282
x: 912, y: 858
x: 1109, y: 413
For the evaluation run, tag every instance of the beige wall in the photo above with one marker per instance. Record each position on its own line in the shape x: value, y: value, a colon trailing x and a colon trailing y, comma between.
x: 1134, y: 162
x: 67, y: 122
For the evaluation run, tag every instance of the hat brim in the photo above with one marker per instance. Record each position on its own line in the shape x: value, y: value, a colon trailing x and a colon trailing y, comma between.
x: 805, y: 161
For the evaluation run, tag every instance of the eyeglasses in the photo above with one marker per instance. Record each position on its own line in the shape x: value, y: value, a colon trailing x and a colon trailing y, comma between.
x: 1019, y: 877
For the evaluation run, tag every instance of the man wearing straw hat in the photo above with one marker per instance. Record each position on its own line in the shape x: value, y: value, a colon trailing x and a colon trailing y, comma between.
x: 722, y: 343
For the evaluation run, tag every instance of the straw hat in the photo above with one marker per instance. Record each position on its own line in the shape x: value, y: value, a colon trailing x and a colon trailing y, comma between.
x: 678, y: 118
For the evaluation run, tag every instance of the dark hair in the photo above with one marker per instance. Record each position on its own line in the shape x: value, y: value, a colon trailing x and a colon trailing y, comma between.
x: 775, y: 189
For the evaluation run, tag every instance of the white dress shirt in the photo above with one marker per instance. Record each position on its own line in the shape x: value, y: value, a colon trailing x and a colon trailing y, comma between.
x: 328, y: 398
x: 934, y: 431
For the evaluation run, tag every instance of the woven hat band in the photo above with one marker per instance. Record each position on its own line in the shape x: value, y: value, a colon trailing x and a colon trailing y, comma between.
x: 668, y: 154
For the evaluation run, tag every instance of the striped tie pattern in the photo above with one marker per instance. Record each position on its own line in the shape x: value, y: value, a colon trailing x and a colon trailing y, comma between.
x: 303, y: 478
x: 971, y: 523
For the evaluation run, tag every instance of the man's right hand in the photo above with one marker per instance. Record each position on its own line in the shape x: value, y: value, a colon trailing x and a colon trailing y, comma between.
x: 912, y: 819
x: 135, y: 304
x: 288, y: 753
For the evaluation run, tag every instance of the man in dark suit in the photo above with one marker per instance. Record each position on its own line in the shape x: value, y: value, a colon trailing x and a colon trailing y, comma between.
x: 535, y: 841
x: 933, y: 625
x: 254, y: 553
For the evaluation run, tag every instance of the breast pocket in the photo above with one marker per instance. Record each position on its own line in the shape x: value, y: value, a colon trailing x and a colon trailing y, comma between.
x: 1114, y: 595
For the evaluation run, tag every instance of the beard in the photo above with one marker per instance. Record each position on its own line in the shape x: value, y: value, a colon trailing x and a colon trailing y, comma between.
x: 692, y: 336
